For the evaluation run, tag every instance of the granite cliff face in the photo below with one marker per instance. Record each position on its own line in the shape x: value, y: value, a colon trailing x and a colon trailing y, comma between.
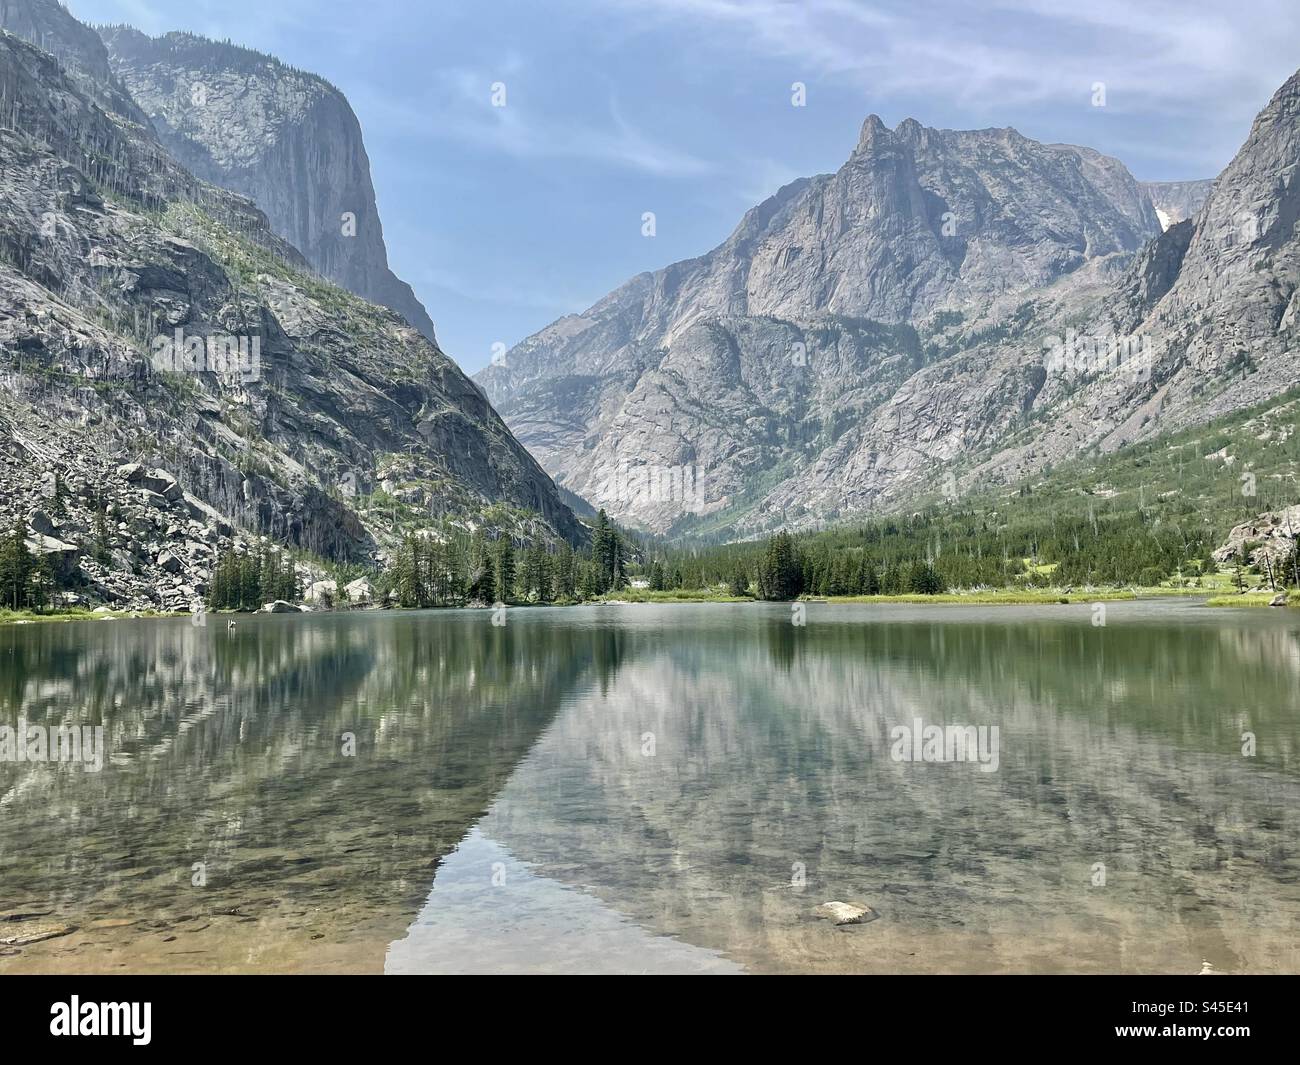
x: 155, y: 322
x: 286, y: 139
x: 946, y: 308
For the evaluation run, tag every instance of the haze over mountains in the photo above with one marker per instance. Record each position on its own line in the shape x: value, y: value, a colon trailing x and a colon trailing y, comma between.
x: 948, y: 309
x: 285, y: 138
x: 863, y: 338
x: 108, y: 245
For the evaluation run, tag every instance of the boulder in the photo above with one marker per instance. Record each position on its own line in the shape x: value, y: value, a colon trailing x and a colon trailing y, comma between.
x: 169, y: 562
x: 322, y: 592
x: 40, y: 522
x: 1278, y: 600
x: 845, y: 913
x: 131, y: 471
x: 63, y: 557
x: 359, y: 591
x: 1275, y: 533
x: 280, y: 607
x: 208, y: 515
x: 163, y: 483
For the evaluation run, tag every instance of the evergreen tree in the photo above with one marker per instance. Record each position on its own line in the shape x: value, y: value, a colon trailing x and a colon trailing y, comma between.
x: 739, y: 580
x: 59, y: 503
x: 565, y: 583
x: 42, y: 583
x: 604, y: 551
x: 250, y: 584
x: 589, y: 581
x: 924, y: 579
x: 407, y: 583
x: 284, y: 578
x: 658, y: 578
x: 530, y: 577
x: 505, y: 570
x: 480, y: 580
x: 871, y: 579
x: 780, y: 575
x: 16, y: 565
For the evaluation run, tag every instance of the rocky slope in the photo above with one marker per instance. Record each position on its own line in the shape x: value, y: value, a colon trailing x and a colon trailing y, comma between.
x: 285, y: 138
x: 109, y: 249
x: 948, y: 307
x: 751, y: 362
x: 48, y: 25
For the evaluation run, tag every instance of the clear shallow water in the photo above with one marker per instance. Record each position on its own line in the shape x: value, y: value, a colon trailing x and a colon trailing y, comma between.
x: 644, y: 788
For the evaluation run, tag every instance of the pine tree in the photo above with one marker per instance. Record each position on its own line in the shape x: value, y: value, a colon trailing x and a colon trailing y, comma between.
x: 504, y: 585
x: 780, y: 574
x: 406, y: 573
x: 42, y: 583
x: 530, y: 577
x: 658, y: 579
x: 250, y: 584
x: 589, y: 581
x: 545, y: 586
x: 739, y: 580
x: 16, y: 565
x: 289, y: 588
x: 603, y: 551
x: 59, y: 504
x: 565, y: 585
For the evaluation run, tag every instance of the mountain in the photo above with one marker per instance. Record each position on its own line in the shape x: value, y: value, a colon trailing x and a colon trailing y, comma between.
x: 1176, y: 201
x: 1227, y: 321
x: 750, y: 362
x: 290, y: 408
x: 48, y: 25
x: 949, y: 308
x: 286, y: 139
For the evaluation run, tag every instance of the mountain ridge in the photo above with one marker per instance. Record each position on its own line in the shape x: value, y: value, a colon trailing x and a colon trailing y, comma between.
x: 859, y: 332
x: 342, y: 431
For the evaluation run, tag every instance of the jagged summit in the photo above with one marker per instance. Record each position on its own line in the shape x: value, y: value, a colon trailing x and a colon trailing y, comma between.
x: 861, y: 330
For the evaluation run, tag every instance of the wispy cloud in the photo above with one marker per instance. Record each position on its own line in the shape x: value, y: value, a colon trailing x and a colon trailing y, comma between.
x: 464, y: 112
x: 1168, y: 55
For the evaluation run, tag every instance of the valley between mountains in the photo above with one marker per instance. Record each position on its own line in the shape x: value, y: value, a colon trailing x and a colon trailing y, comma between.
x: 951, y: 316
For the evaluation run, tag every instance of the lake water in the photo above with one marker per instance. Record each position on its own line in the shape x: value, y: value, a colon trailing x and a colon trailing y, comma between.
x: 660, y: 789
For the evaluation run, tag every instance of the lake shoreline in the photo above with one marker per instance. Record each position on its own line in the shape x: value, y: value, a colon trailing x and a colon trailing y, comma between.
x: 641, y: 597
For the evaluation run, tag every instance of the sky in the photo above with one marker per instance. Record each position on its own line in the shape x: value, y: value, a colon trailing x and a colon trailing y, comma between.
x: 504, y: 218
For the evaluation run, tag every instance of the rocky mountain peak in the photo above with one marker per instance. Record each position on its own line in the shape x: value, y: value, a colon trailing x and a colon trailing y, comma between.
x: 873, y: 129
x: 861, y: 330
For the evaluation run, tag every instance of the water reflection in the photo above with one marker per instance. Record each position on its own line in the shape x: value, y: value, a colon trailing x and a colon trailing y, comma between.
x: 678, y: 786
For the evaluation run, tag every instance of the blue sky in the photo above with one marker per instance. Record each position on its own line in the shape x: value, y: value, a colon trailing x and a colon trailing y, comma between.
x: 505, y: 218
